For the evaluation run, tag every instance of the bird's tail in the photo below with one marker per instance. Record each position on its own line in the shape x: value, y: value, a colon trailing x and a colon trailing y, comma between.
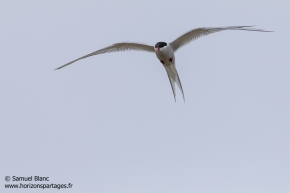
x: 174, y: 78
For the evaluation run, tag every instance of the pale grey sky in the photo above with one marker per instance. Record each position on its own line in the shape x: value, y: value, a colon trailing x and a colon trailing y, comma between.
x: 109, y: 123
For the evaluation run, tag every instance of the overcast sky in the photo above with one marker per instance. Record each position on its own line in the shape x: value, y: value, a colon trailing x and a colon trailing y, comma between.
x: 109, y: 123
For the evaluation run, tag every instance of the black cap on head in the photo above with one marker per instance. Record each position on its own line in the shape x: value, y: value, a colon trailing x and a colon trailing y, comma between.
x: 160, y: 44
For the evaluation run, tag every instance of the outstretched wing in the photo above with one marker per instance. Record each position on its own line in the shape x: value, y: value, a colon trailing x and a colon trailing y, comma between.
x: 124, y: 46
x: 199, y: 32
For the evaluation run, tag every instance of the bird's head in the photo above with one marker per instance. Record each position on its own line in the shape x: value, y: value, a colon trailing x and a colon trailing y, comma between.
x: 159, y: 46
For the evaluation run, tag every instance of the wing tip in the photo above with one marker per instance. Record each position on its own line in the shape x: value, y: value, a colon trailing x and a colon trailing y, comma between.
x: 251, y: 28
x: 59, y: 67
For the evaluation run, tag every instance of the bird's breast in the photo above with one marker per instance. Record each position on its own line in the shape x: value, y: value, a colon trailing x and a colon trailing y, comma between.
x: 165, y: 53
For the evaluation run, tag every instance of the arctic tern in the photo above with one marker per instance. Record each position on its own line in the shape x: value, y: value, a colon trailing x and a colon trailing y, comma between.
x: 165, y: 51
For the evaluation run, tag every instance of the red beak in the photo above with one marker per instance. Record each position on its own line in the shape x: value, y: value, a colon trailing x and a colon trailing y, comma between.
x: 157, y: 49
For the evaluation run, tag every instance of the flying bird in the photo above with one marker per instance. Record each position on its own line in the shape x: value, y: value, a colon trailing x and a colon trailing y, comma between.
x: 165, y: 51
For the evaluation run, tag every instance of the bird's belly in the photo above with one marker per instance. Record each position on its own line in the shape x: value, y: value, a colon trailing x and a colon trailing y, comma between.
x: 164, y: 55
x: 166, y: 60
